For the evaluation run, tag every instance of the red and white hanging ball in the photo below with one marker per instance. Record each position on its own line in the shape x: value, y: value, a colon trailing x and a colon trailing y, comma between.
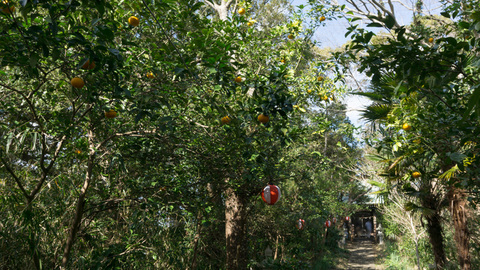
x: 334, y: 220
x: 347, y: 218
x: 328, y: 223
x: 300, y: 224
x: 271, y: 194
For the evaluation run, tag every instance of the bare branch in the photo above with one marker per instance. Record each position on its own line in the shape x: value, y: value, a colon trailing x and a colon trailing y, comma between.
x: 17, y: 180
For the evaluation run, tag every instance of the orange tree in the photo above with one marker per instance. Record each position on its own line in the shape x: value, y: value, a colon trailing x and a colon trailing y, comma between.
x: 115, y: 167
x: 432, y: 80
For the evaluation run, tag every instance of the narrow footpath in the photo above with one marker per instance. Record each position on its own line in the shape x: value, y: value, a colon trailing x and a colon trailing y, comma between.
x: 363, y: 255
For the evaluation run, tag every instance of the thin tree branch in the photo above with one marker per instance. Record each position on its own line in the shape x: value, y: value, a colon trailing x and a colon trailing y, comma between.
x: 17, y: 180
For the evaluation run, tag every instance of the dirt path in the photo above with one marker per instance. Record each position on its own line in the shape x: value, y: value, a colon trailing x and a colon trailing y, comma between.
x: 363, y: 254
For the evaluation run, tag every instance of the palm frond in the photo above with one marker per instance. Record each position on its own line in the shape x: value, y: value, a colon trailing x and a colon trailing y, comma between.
x: 376, y: 111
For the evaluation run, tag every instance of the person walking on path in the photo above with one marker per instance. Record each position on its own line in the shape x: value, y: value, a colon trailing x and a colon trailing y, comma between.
x: 368, y: 226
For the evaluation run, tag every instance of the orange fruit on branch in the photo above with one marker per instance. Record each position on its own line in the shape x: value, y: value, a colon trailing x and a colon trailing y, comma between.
x: 322, y: 18
x: 406, y: 126
x: 263, y: 118
x: 238, y: 79
x: 110, y: 114
x: 226, y: 120
x: 133, y: 21
x: 89, y: 65
x: 150, y: 75
x: 242, y: 11
x: 77, y: 83
x: 416, y: 174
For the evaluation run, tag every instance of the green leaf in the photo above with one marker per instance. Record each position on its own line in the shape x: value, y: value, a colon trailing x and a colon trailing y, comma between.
x: 457, y: 157
x: 473, y: 101
x: 450, y: 173
x: 389, y: 21
x: 374, y: 24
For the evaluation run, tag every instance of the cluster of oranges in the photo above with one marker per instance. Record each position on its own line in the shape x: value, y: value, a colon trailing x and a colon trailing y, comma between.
x: 262, y: 118
x: 78, y: 82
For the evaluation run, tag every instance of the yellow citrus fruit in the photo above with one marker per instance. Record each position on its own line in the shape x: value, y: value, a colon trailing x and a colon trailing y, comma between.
x: 226, y: 120
x: 89, y: 65
x: 283, y: 61
x: 406, y: 126
x: 291, y: 36
x: 320, y: 78
x: 416, y: 174
x: 249, y: 23
x: 309, y: 91
x: 263, y: 118
x: 150, y: 75
x: 133, y: 21
x: 430, y: 40
x: 77, y: 82
x: 78, y: 151
x: 322, y: 18
x: 324, y: 98
x: 238, y: 79
x: 110, y: 114
x: 241, y: 11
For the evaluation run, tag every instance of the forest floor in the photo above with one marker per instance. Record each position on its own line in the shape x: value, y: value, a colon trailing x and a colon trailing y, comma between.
x: 363, y: 255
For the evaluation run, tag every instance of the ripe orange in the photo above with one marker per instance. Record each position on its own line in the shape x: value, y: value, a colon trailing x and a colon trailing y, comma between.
x: 325, y: 98
x: 241, y: 11
x: 150, y: 75
x: 77, y: 83
x: 430, y: 40
x: 89, y: 65
x: 238, y: 79
x: 406, y: 127
x: 283, y: 61
x: 133, y: 21
x: 309, y: 91
x: 291, y: 36
x: 322, y: 18
x: 320, y: 78
x: 416, y: 174
x: 78, y: 151
x: 263, y: 118
x: 111, y: 114
x: 226, y: 120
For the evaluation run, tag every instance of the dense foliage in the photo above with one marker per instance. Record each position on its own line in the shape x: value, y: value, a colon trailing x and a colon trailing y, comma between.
x: 154, y: 156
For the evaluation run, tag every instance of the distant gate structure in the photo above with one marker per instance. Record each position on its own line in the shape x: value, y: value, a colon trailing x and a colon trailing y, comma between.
x: 359, y: 219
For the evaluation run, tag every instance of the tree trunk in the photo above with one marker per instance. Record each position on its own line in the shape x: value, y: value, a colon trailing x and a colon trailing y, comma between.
x: 235, y: 220
x: 435, y: 233
x: 80, y: 204
x: 459, y: 210
x: 195, y: 242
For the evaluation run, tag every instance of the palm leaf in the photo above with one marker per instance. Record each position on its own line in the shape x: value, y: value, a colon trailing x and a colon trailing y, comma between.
x: 376, y: 112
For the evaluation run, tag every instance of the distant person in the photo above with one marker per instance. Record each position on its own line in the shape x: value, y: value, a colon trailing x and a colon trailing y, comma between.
x: 368, y: 226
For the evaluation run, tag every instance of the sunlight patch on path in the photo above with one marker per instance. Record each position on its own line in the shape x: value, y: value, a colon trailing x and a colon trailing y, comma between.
x: 362, y: 255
